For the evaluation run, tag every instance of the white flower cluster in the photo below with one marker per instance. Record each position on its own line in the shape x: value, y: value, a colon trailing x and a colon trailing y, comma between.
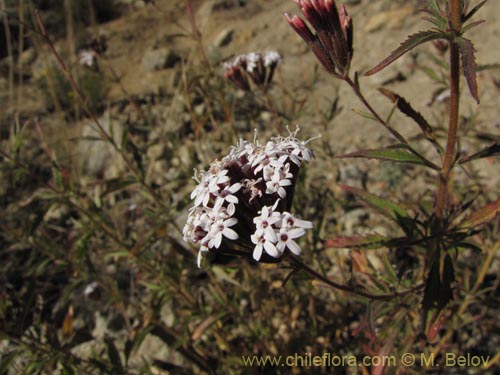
x: 276, y: 231
x: 256, y: 67
x: 251, y: 61
x: 87, y: 58
x: 246, y: 198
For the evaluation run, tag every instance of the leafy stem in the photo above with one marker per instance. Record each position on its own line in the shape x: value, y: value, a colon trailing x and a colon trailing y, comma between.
x: 355, y: 86
x: 449, y: 157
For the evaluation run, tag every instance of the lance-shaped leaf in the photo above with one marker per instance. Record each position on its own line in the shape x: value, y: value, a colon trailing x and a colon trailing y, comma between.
x: 396, y: 153
x: 438, y: 290
x: 386, y: 208
x: 488, y: 137
x: 410, y: 43
x: 368, y: 242
x: 405, y: 107
x: 469, y: 65
x: 482, y: 216
x: 493, y: 150
x: 473, y: 11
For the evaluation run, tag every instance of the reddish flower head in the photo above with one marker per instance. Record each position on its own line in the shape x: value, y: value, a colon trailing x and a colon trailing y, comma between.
x: 332, y: 42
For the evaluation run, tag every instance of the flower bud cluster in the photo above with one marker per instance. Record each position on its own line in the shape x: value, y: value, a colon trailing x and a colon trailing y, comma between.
x: 256, y: 67
x: 333, y: 41
x: 243, y: 201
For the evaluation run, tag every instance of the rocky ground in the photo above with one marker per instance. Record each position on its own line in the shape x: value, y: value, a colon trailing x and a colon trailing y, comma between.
x: 143, y: 50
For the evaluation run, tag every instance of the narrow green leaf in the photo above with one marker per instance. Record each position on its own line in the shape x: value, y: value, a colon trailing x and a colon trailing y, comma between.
x: 470, y: 246
x: 410, y: 43
x: 469, y: 65
x: 488, y: 137
x: 396, y: 153
x: 483, y: 67
x: 493, y: 150
x: 431, y: 73
x: 386, y: 208
x: 365, y: 114
x: 405, y: 107
x: 482, y: 216
x: 472, y: 25
x: 389, y: 269
x: 115, y: 184
x: 6, y: 361
x: 437, y: 15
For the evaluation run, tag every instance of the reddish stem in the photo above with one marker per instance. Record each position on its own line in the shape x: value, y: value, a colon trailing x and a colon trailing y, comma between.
x: 449, y: 157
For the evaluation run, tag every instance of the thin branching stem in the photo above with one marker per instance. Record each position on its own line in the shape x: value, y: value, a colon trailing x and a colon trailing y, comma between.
x: 374, y: 113
x: 316, y: 275
x: 103, y: 132
x: 384, y: 123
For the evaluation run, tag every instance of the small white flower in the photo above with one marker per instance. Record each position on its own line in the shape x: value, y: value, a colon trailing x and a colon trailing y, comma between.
x: 227, y: 194
x: 87, y: 58
x: 252, y: 60
x: 289, y: 221
x: 286, y: 239
x: 217, y: 179
x: 272, y: 58
x: 277, y: 184
x: 221, y: 228
x: 201, y: 193
x: 264, y: 222
x: 262, y: 243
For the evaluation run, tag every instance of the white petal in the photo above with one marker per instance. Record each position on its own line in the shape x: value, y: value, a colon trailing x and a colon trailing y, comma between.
x: 294, y: 247
x: 257, y: 252
x: 235, y: 187
x: 271, y: 249
x: 231, y: 209
x: 303, y: 224
x: 229, y: 233
x: 280, y: 246
x: 270, y: 235
x: 230, y: 222
x: 296, y: 233
x: 281, y: 192
x: 217, y: 240
x: 232, y: 199
x: 198, y: 259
